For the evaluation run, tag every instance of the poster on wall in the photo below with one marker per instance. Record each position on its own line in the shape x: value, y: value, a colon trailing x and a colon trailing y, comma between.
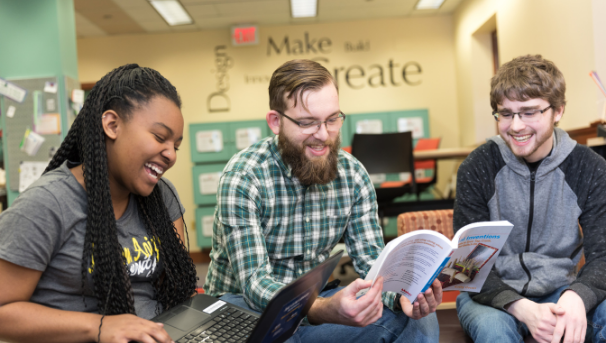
x: 247, y: 136
x: 415, y: 125
x: 369, y: 126
x: 209, y: 141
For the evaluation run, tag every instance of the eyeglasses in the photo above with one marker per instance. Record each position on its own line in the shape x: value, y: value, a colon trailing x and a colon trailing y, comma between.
x: 309, y: 127
x: 527, y: 116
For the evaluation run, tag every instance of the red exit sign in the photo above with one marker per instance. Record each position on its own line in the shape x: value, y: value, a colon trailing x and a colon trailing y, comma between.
x: 244, y: 35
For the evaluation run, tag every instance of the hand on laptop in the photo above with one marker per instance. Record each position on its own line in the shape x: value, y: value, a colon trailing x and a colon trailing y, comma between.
x: 426, y: 302
x: 343, y: 307
x: 128, y: 327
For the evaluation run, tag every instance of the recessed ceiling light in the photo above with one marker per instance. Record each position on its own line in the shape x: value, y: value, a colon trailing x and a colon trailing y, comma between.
x: 428, y: 4
x: 172, y: 11
x: 304, y: 8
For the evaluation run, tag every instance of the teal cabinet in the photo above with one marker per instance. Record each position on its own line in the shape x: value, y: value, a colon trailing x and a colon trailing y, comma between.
x: 416, y: 121
x: 205, y: 217
x: 242, y: 134
x: 209, y: 142
x: 218, y: 142
x: 206, y: 179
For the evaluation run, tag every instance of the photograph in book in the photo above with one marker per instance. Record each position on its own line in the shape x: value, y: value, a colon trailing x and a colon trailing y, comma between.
x: 463, y: 269
x: 410, y: 263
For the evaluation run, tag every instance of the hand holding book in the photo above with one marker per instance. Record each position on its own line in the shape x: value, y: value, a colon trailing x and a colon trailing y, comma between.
x: 411, y: 262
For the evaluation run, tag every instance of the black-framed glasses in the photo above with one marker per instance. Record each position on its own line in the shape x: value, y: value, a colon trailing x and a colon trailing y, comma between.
x: 527, y: 116
x: 309, y: 127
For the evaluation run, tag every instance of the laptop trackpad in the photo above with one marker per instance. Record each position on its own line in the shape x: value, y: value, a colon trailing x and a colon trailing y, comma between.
x: 187, y: 319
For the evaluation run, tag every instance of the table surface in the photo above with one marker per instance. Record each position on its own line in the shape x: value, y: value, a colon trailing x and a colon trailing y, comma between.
x: 443, y: 153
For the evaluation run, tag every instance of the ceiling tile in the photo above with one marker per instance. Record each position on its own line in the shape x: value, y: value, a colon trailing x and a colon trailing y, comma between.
x: 202, y: 11
x: 253, y: 7
x: 132, y: 16
x: 84, y: 28
x: 155, y: 26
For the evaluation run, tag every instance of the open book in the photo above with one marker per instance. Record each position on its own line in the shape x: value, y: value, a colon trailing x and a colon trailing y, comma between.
x: 410, y: 263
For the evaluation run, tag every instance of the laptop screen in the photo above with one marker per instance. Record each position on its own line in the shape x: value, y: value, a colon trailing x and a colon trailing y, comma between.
x: 290, y: 305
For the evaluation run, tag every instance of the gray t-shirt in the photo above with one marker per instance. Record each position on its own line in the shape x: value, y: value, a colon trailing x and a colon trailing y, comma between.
x: 44, y: 230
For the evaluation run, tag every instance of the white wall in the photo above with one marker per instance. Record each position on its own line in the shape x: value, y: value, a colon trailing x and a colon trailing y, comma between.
x: 561, y: 31
x: 191, y: 62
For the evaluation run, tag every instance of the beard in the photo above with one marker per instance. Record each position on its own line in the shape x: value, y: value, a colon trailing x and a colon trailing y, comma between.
x: 526, y: 152
x: 321, y: 170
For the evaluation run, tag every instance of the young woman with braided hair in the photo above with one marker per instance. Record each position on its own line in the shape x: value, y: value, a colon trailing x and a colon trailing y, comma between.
x: 94, y: 249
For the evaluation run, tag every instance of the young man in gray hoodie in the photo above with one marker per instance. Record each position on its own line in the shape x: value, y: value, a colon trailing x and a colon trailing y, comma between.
x: 554, y: 192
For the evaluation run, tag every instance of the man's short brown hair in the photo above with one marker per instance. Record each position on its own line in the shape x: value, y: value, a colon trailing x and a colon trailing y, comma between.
x: 292, y: 79
x: 528, y: 77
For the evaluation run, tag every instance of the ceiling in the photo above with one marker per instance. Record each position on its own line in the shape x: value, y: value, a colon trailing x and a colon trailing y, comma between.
x: 118, y: 17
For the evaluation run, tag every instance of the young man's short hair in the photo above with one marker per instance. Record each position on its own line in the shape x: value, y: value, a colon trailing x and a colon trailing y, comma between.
x: 528, y: 77
x: 292, y: 79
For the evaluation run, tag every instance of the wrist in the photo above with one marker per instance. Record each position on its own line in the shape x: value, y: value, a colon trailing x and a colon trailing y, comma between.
x: 317, y: 311
x: 91, y: 329
x: 518, y: 308
x: 397, y: 305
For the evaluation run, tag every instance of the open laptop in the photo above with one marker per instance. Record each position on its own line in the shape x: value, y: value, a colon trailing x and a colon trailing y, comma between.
x: 207, y: 319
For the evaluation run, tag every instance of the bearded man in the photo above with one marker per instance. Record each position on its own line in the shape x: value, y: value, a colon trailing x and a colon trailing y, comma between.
x: 286, y: 201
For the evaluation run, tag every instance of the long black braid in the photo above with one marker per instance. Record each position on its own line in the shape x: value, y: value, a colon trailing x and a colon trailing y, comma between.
x: 122, y: 90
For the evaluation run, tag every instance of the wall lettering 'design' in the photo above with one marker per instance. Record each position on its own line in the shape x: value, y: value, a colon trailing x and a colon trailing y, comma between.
x: 219, y: 101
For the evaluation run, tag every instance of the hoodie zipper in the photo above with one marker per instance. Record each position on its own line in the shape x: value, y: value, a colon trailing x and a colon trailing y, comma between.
x: 530, y: 217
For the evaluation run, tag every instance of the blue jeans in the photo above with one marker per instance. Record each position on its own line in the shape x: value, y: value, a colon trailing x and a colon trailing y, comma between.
x: 488, y: 324
x: 392, y: 327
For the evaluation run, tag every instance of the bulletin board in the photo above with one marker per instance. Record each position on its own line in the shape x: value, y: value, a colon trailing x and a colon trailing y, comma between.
x: 72, y: 109
x: 23, y: 119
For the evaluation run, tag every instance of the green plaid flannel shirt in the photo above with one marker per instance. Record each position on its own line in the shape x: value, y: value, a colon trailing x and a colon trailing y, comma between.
x: 269, y: 229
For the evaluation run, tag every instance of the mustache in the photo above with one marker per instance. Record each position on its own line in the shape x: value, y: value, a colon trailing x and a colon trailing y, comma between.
x: 319, y: 142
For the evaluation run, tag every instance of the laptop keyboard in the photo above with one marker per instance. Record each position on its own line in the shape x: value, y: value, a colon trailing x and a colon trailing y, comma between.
x: 231, y: 326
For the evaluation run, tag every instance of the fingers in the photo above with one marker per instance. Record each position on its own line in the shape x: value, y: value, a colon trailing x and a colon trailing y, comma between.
x: 426, y: 303
x: 370, y: 314
x: 437, y: 291
x: 575, y: 330
x: 161, y: 335
x: 556, y: 309
x: 558, y: 332
x: 356, y: 286
x: 431, y: 300
x: 370, y: 305
x: 152, y: 333
x: 412, y: 310
x: 373, y: 292
x: 416, y: 311
x: 362, y: 311
x: 423, y: 305
x: 127, y: 327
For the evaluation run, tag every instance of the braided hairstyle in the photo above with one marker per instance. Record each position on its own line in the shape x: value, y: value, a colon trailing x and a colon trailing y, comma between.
x: 122, y: 90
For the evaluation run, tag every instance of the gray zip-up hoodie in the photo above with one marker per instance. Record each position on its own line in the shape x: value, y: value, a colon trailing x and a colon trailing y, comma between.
x: 546, y: 207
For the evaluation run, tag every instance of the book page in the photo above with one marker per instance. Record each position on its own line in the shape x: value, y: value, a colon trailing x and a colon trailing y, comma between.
x: 479, y: 245
x: 410, y: 261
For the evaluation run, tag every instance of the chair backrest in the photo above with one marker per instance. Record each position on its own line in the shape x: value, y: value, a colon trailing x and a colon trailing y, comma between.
x: 384, y: 152
x: 426, y: 144
x: 437, y: 220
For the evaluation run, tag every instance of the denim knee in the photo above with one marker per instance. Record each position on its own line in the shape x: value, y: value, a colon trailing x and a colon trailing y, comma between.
x: 596, y: 324
x: 486, y: 324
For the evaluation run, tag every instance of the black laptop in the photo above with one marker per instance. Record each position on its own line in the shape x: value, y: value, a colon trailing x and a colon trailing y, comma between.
x: 207, y: 319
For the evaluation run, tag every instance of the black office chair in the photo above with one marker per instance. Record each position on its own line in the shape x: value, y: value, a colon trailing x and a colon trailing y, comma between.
x: 424, y: 183
x: 386, y: 153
